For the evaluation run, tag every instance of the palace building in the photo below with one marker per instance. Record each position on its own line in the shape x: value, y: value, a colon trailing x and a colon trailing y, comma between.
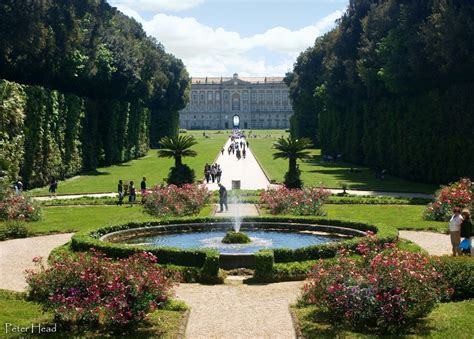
x: 234, y: 102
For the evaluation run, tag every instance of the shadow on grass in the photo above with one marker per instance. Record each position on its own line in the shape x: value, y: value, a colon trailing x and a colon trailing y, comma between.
x: 94, y: 173
x: 316, y: 324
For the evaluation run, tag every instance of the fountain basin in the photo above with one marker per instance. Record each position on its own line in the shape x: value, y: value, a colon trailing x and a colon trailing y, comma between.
x: 264, y: 235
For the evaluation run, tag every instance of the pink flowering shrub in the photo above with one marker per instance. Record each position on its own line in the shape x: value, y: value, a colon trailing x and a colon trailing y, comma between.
x: 306, y: 201
x: 18, y: 206
x: 459, y: 194
x: 92, y: 290
x: 386, y: 290
x: 172, y: 200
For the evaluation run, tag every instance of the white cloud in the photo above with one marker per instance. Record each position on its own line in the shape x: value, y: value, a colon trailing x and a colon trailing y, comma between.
x: 208, y: 51
x: 157, y: 5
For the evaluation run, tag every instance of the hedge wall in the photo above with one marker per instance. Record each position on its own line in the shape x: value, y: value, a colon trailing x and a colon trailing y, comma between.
x: 45, y: 133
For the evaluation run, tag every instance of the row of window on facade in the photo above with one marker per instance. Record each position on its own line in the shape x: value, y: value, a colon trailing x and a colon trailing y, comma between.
x: 236, y: 106
x: 213, y: 117
x: 245, y: 95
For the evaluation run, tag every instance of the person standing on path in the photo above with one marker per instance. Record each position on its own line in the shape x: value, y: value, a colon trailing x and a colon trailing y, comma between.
x: 223, y: 198
x: 120, y: 193
x: 53, y: 186
x: 455, y: 230
x: 466, y: 228
x: 222, y: 151
x: 213, y: 173
x: 143, y: 188
x: 133, y: 194
x: 219, y: 173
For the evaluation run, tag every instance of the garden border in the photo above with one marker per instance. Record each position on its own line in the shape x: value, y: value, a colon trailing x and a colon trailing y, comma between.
x: 207, y: 262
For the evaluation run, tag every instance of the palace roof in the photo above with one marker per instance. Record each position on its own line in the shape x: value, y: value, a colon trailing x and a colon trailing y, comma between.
x: 221, y: 80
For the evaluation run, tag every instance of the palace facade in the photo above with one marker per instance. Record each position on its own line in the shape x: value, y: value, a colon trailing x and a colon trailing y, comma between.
x: 233, y: 102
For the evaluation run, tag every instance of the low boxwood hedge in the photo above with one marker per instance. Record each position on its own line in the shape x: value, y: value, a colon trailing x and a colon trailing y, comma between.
x: 459, y: 271
x: 208, y: 260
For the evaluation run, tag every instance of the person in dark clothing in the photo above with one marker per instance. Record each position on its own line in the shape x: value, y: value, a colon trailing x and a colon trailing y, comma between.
x: 223, y: 198
x: 222, y: 151
x: 207, y: 172
x: 120, y: 193
x: 247, y: 144
x: 133, y: 194
x: 143, y: 188
x: 53, y: 186
x: 466, y: 228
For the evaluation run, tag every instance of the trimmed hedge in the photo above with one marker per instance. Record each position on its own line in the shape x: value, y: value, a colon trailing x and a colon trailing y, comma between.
x: 459, y: 271
x: 208, y: 260
x: 264, y: 261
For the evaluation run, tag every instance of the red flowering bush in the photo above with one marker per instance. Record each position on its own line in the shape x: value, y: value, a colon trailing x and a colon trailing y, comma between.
x: 172, y: 200
x: 15, y: 206
x: 306, y: 201
x: 93, y: 290
x: 459, y: 194
x: 386, y: 291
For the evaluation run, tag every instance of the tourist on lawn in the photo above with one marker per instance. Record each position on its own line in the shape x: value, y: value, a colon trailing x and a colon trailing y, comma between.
x: 133, y: 194
x: 120, y: 193
x: 53, y: 186
x: 455, y: 230
x: 223, y: 198
x: 143, y: 188
x: 466, y: 229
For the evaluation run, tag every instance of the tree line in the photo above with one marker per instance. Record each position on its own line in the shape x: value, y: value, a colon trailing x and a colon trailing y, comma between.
x: 83, y: 86
x: 391, y: 86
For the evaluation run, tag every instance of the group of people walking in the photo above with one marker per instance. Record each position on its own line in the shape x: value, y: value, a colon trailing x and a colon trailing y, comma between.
x: 130, y: 189
x: 460, y: 226
x: 212, y: 173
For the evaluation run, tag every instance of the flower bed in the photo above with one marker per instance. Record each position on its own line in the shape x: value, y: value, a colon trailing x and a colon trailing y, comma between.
x: 165, y: 201
x: 460, y: 194
x: 92, y: 290
x: 306, y: 201
x: 386, y: 290
x: 15, y: 206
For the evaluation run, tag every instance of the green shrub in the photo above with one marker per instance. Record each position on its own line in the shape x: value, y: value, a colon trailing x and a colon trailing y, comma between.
x: 210, y: 268
x: 264, y: 261
x: 232, y: 237
x: 181, y: 175
x: 16, y: 229
x: 459, y: 272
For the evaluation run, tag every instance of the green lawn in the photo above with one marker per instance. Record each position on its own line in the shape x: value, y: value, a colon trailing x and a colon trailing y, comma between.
x: 449, y: 320
x: 155, y: 169
x: 331, y: 175
x: 14, y: 309
x: 72, y: 219
x: 398, y: 216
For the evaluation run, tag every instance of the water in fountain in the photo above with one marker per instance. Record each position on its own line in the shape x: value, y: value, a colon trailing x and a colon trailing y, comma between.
x: 236, y: 210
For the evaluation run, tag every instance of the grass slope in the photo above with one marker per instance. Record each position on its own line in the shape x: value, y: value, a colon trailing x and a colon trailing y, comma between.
x: 155, y: 169
x: 331, y: 175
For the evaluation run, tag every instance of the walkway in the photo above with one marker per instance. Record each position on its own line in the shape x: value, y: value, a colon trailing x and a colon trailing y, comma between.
x: 433, y: 243
x: 247, y: 210
x: 16, y: 256
x: 247, y: 170
x: 242, y: 311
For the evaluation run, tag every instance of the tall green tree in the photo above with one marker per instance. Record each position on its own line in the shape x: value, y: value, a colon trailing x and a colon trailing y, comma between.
x: 292, y: 149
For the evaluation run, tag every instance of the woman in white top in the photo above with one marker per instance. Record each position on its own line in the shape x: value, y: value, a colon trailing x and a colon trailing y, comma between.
x: 455, y: 230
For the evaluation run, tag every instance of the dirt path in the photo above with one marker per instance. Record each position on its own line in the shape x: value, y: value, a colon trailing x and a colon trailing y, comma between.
x: 240, y: 311
x: 16, y: 256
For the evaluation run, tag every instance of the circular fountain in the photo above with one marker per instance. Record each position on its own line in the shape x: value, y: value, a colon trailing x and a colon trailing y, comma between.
x: 209, y: 235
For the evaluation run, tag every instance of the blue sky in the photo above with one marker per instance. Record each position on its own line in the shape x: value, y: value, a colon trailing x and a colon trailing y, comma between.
x: 222, y: 37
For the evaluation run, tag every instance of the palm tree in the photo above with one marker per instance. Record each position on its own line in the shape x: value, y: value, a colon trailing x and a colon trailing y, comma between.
x: 292, y: 149
x: 177, y: 147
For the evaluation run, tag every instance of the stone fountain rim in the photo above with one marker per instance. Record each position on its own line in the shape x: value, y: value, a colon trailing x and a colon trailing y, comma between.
x: 181, y: 228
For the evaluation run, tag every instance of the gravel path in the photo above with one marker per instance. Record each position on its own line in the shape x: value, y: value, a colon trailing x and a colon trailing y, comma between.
x: 240, y: 311
x: 16, y: 256
x: 433, y: 243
